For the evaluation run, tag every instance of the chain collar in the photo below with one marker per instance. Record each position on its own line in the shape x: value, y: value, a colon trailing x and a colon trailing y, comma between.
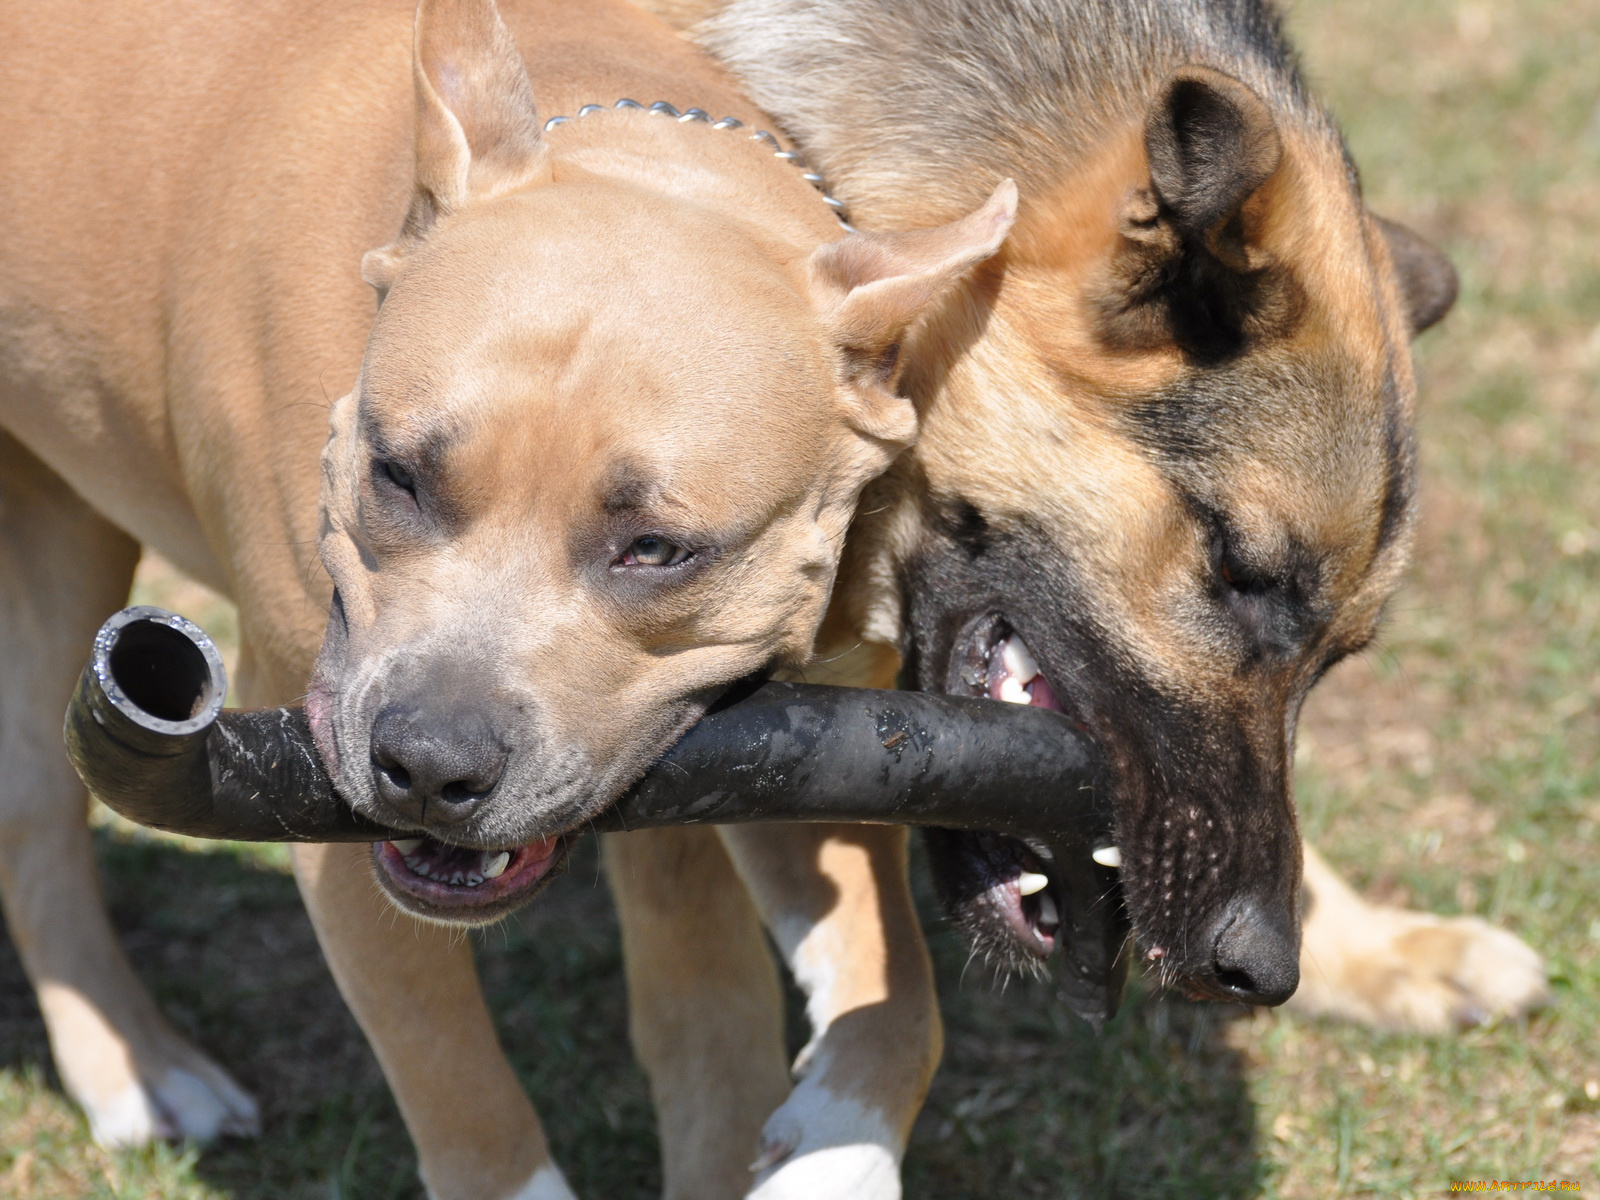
x: 662, y: 108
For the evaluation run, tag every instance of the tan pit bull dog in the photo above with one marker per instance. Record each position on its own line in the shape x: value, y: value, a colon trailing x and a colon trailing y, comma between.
x: 627, y: 380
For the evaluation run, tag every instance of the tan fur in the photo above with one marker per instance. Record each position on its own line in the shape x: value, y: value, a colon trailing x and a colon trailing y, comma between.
x: 1403, y: 970
x: 624, y: 297
x: 62, y: 567
x: 714, y: 1082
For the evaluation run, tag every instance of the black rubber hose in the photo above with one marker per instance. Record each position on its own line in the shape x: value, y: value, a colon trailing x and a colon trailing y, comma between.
x: 147, y: 732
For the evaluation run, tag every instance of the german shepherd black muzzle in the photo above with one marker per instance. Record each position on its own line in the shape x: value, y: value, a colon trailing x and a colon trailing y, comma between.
x: 1204, y: 821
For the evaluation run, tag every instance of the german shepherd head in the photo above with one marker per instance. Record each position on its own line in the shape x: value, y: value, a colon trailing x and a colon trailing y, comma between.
x: 1165, y: 475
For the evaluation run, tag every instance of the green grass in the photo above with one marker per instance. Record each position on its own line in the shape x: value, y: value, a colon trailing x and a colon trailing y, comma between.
x: 1457, y: 769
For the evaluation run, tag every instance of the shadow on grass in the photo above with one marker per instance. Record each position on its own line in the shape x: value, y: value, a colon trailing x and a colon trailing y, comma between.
x: 223, y: 943
x: 1029, y: 1103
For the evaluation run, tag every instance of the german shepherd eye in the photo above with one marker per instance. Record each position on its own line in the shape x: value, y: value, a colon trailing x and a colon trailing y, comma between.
x: 1236, y: 574
x: 1239, y: 578
x: 654, y: 551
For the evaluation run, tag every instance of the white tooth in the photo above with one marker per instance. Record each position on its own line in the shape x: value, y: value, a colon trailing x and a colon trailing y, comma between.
x: 1049, y: 914
x: 473, y: 879
x: 495, y: 866
x: 1012, y: 692
x: 406, y: 846
x: 1017, y: 659
x: 1108, y: 856
x: 1030, y: 882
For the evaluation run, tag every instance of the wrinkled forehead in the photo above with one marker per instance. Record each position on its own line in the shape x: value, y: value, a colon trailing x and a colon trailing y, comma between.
x: 683, y: 363
x: 560, y: 269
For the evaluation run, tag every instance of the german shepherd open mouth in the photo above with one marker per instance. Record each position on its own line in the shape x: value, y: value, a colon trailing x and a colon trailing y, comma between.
x: 1001, y: 884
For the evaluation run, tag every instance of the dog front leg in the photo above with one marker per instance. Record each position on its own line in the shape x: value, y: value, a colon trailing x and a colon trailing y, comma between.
x: 62, y: 570
x: 705, y: 1011
x: 838, y: 902
x: 414, y: 989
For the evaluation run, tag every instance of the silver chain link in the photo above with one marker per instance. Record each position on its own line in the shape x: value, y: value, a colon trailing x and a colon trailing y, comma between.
x: 663, y: 109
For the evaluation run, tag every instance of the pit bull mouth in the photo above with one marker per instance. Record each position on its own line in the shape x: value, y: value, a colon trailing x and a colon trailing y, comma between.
x: 1008, y: 878
x: 461, y: 885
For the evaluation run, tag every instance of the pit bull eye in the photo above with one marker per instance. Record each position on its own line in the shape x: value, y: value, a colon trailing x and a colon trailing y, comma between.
x: 654, y: 552
x: 397, y: 475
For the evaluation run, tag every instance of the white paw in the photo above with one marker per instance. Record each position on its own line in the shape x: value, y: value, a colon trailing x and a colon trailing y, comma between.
x: 819, y: 1146
x: 547, y: 1183
x: 179, y: 1106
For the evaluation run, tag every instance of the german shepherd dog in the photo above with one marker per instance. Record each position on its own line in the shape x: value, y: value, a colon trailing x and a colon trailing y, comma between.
x: 1165, y: 481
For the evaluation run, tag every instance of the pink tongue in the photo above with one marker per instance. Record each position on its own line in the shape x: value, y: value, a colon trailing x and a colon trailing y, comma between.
x: 1043, y: 696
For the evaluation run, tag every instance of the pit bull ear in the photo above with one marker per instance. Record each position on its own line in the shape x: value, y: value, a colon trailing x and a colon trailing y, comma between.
x: 477, y: 132
x: 1192, y: 269
x: 1428, y: 283
x: 875, y: 285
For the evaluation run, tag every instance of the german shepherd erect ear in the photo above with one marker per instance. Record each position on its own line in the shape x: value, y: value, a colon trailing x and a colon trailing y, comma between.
x: 1211, y: 143
x: 1192, y: 271
x: 1427, y: 280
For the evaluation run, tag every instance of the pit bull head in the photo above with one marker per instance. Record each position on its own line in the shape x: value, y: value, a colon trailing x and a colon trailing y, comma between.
x: 599, y: 464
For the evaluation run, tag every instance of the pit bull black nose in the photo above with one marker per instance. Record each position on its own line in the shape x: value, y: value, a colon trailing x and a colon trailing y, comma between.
x: 1256, y: 955
x: 435, y: 766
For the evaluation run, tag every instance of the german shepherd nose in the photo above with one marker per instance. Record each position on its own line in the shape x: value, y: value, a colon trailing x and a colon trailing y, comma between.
x: 1256, y: 955
x: 435, y: 766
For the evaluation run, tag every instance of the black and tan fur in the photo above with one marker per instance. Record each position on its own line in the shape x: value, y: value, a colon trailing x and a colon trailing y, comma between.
x: 1166, y: 437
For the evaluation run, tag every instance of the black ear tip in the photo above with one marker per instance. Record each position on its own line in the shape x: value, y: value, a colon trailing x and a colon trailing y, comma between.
x: 1428, y: 281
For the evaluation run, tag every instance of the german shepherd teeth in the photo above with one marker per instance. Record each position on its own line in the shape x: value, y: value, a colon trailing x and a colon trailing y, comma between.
x: 1014, y: 653
x: 406, y: 845
x: 1011, y: 669
x: 1030, y: 882
x: 494, y: 865
x: 1012, y: 692
x: 1108, y: 856
x: 1049, y: 916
